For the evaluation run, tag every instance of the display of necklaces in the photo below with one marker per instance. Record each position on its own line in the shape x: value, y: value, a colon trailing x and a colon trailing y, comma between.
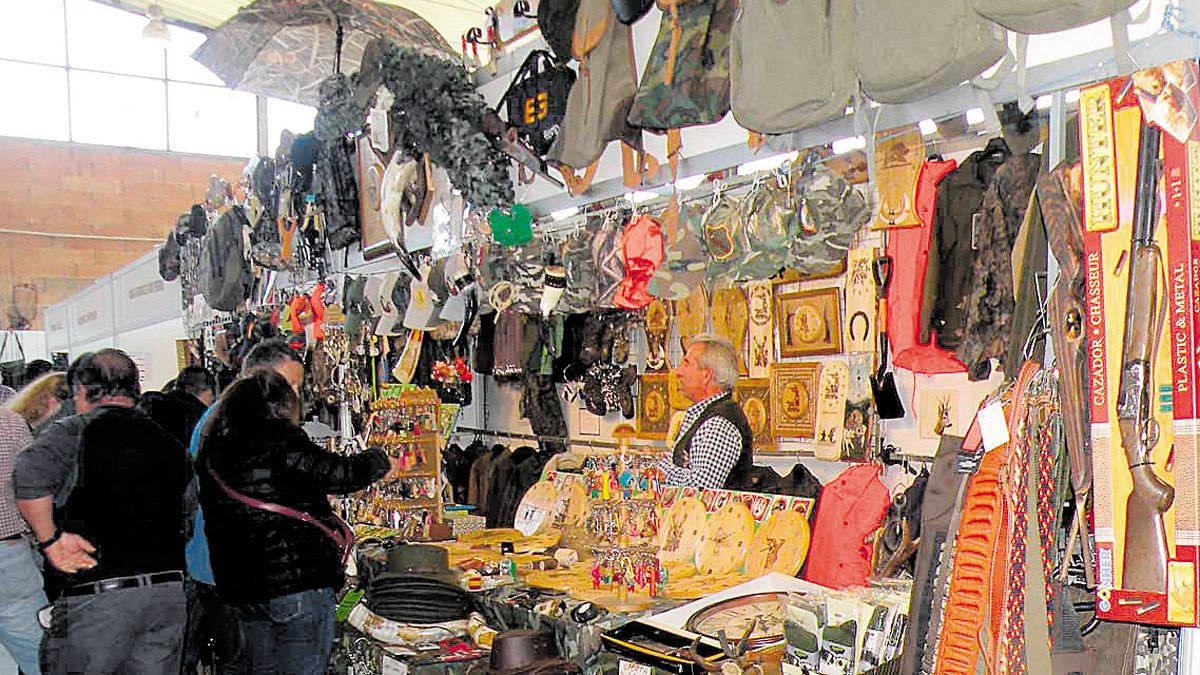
x: 730, y: 315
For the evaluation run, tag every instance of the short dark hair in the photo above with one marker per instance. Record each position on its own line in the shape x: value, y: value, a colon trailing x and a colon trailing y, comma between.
x: 36, y: 368
x: 195, y: 380
x: 73, y: 371
x: 269, y: 354
x: 108, y: 372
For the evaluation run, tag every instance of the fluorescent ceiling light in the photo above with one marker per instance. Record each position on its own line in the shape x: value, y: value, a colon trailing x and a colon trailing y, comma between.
x: 1044, y: 102
x: 766, y: 163
x: 974, y: 116
x: 563, y: 214
x: 1072, y: 96
x: 689, y: 182
x: 928, y: 127
x: 848, y: 144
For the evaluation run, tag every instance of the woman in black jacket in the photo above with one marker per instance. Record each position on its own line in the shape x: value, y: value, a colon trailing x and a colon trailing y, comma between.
x: 277, y: 548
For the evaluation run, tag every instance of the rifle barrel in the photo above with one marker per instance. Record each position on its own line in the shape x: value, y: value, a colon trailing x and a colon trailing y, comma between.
x: 1145, y: 217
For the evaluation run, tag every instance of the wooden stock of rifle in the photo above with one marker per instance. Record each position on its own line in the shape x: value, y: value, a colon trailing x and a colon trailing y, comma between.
x: 1145, y: 561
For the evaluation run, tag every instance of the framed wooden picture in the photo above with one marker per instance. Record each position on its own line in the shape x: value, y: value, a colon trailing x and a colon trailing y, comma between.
x: 371, y: 166
x: 809, y: 323
x: 654, y: 409
x: 794, y: 399
x: 754, y: 396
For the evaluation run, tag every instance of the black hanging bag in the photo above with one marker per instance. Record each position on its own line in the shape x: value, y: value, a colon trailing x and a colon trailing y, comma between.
x: 537, y: 100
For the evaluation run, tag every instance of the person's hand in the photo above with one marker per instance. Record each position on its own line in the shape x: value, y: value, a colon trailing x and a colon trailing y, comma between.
x: 70, y: 554
x: 395, y: 470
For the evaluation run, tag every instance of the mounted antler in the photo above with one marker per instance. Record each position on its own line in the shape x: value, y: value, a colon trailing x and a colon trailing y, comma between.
x: 700, y: 660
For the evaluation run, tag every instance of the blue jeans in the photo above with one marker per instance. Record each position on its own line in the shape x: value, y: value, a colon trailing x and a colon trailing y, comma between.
x: 290, y: 634
x: 21, y: 597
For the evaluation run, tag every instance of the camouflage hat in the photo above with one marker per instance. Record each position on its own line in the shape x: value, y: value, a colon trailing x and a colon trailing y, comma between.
x: 576, y: 252
x: 684, y: 268
x: 721, y: 232
x: 769, y: 223
x: 832, y: 212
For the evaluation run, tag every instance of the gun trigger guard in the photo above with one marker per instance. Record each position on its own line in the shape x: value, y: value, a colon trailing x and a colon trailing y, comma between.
x: 1151, y: 433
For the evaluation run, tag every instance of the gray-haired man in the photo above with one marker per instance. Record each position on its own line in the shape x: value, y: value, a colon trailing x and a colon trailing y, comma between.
x: 713, y: 448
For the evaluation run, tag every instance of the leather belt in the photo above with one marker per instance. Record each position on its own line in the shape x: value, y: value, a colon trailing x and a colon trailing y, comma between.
x: 117, y: 583
x: 13, y: 537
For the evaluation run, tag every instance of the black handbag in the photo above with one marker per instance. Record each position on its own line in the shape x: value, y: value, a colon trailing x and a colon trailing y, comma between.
x: 629, y: 11
x: 536, y: 101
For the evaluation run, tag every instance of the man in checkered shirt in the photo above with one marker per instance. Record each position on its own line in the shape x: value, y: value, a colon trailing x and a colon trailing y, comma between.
x: 713, y: 446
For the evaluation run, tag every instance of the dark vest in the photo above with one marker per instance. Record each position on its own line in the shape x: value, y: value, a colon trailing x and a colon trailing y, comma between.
x: 128, y: 496
x: 739, y: 475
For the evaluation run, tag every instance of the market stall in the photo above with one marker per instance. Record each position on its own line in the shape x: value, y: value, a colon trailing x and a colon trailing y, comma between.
x: 967, y: 398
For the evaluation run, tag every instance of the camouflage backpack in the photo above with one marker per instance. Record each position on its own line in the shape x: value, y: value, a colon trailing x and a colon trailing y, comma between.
x: 686, y: 81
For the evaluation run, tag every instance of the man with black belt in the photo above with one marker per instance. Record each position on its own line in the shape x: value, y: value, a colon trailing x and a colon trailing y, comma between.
x: 105, y: 492
x: 713, y: 448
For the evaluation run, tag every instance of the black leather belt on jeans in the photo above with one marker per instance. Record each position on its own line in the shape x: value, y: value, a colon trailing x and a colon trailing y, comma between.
x: 13, y: 537
x: 117, y: 583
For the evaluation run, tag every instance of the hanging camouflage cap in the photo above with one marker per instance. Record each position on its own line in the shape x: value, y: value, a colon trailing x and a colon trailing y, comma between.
x: 684, y: 268
x: 832, y: 212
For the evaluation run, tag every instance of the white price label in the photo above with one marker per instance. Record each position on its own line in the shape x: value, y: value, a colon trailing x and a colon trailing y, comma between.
x: 993, y: 426
x: 630, y: 668
x: 393, y: 667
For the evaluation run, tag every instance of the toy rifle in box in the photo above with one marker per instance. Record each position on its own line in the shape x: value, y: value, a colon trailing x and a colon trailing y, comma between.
x: 1145, y: 560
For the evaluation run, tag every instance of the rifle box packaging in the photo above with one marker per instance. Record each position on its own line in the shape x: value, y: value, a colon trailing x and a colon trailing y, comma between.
x: 1141, y: 341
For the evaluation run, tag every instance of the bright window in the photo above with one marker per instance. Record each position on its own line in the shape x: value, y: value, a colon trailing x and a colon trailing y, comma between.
x: 37, y: 107
x: 181, y: 67
x: 109, y: 39
x: 281, y: 115
x: 211, y: 120
x: 33, y: 31
x: 118, y: 110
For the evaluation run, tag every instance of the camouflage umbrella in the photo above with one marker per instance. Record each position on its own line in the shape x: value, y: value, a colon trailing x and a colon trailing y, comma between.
x: 285, y: 48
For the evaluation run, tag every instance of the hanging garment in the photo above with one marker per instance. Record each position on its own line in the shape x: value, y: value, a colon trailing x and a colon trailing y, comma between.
x: 951, y: 250
x: 598, y: 107
x: 911, y: 245
x: 642, y: 253
x: 851, y: 507
x: 989, y: 296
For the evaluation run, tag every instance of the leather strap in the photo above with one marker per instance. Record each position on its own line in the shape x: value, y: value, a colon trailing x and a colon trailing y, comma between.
x: 637, y: 166
x: 344, y: 539
x: 674, y: 144
x: 578, y: 184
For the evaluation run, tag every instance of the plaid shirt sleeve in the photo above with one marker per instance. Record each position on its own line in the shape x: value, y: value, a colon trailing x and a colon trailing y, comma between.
x: 714, y: 450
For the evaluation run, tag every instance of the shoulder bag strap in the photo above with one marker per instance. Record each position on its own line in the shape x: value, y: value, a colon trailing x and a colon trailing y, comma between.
x: 343, y: 537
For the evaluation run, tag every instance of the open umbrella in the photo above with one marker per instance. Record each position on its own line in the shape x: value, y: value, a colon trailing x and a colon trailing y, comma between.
x: 285, y: 48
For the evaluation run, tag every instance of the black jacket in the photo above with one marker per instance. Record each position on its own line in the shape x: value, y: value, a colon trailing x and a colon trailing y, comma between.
x: 176, y: 411
x: 256, y: 554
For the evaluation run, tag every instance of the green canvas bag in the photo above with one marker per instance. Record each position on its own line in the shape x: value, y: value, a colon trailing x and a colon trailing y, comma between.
x: 686, y: 81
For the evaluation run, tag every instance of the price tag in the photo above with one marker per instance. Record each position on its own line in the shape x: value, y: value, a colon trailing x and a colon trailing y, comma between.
x: 393, y: 667
x: 992, y: 426
x: 630, y: 668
